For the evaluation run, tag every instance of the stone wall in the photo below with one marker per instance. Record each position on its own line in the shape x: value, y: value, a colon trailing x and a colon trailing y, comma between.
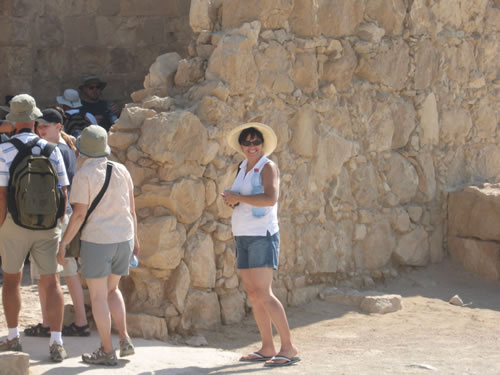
x: 381, y: 108
x: 48, y: 45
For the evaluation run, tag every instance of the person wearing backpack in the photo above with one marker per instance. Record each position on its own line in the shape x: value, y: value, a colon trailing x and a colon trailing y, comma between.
x: 76, y: 118
x: 33, y: 198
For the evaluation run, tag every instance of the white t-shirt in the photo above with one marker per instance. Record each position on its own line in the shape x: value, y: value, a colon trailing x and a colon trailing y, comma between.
x: 8, y: 152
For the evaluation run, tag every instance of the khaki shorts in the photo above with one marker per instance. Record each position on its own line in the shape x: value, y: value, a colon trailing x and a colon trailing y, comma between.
x: 16, y: 242
x: 69, y: 269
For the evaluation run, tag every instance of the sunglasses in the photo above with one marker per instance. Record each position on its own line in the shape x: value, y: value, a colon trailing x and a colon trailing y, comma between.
x: 257, y: 142
x: 93, y: 87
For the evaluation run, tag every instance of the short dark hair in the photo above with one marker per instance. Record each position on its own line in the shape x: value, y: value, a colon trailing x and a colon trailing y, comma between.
x: 252, y: 132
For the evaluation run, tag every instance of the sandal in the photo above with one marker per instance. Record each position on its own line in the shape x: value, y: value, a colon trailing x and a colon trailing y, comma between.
x: 74, y: 330
x: 37, y: 330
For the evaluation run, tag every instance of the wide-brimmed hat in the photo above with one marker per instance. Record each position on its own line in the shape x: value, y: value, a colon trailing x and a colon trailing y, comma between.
x: 270, y: 139
x: 23, y: 109
x: 71, y: 98
x: 91, y: 79
x: 93, y: 142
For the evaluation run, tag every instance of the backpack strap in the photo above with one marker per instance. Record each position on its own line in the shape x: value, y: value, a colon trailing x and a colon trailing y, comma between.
x: 99, y: 196
x: 48, y: 149
x: 239, y: 169
x: 23, y: 150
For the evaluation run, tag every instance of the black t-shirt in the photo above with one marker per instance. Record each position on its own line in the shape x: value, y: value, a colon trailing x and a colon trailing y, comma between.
x: 101, y: 108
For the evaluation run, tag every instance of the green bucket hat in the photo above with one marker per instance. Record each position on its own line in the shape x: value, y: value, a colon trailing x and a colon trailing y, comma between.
x: 93, y: 142
x: 23, y: 109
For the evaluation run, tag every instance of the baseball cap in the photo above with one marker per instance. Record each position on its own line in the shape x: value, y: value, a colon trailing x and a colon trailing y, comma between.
x: 50, y: 116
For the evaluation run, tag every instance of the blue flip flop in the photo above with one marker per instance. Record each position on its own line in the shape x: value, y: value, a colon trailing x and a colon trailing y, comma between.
x: 258, y: 358
x: 288, y: 361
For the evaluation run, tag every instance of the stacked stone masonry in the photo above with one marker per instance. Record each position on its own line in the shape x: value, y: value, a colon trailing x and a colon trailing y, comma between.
x: 381, y: 109
x: 49, y: 45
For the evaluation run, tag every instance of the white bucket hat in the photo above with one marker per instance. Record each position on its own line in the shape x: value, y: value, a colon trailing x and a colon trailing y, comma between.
x: 71, y: 98
x: 93, y: 142
x: 23, y: 109
x: 270, y: 139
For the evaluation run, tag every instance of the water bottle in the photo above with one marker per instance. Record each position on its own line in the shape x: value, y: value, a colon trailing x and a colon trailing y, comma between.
x: 134, y: 262
x: 257, y: 188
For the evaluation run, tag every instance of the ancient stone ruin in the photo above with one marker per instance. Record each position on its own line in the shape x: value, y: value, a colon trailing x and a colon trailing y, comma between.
x: 381, y: 109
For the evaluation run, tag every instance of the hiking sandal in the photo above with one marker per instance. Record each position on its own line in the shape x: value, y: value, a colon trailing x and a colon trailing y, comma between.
x: 37, y: 330
x: 74, y: 330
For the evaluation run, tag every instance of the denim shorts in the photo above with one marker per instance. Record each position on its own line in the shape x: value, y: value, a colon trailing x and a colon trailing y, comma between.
x: 258, y: 251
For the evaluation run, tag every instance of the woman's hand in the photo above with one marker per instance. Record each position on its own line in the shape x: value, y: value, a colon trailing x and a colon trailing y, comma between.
x: 231, y: 199
x: 62, y: 253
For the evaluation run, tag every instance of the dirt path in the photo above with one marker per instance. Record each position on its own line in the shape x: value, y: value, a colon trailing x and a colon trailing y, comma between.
x: 428, y: 336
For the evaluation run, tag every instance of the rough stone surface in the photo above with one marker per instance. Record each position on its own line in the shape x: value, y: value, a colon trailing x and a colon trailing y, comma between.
x: 15, y: 363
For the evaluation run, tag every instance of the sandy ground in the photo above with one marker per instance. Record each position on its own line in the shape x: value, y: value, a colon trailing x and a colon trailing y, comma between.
x: 428, y: 336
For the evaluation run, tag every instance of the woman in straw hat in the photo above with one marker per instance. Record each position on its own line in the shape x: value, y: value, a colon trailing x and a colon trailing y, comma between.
x: 108, y: 238
x: 258, y: 238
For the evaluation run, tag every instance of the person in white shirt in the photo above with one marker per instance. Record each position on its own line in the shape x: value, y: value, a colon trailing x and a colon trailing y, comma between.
x: 256, y: 230
x: 16, y: 241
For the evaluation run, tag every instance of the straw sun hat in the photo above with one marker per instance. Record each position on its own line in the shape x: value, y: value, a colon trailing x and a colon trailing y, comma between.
x: 270, y: 139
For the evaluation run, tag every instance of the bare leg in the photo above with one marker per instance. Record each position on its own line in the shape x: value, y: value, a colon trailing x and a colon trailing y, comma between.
x: 100, y: 310
x: 49, y: 284
x: 11, y: 298
x: 266, y: 308
x: 117, y: 305
x: 76, y: 292
x: 43, y: 305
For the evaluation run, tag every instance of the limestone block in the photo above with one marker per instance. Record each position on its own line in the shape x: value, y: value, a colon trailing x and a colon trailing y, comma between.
x: 486, y: 162
x: 413, y: 248
x: 147, y: 326
x: 404, y: 120
x: 359, y: 232
x: 364, y: 185
x: 15, y: 363
x: 305, y: 125
x: 210, y: 193
x: 389, y: 64
x: 429, y: 121
x: 383, y: 304
x: 161, y: 241
x: 390, y: 15
x: 202, y: 310
x: 370, y: 32
x: 174, y: 137
x: 140, y: 95
x: 200, y: 259
x: 331, y: 18
x: 72, y: 27
x: 427, y: 185
x: 223, y: 232
x: 273, y: 14
x: 178, y: 286
x: 436, y: 245
x: 139, y: 174
x: 401, y: 177
x: 400, y: 220
x: 455, y: 125
x: 340, y: 69
x: 415, y: 213
x: 380, y: 129
x: 305, y: 72
x: 232, y: 282
x: 232, y: 60
x: 162, y: 71
x: 232, y: 308
x: 121, y: 140
x: 132, y: 117
x: 201, y: 15
x: 378, y: 245
x: 426, y: 64
x: 215, y: 88
x: 300, y: 296
x: 484, y: 118
x: 331, y: 153
x: 188, y: 169
x: 189, y: 72
x: 158, y: 104
x: 343, y: 296
x: 229, y: 265
x: 460, y: 61
x: 212, y: 150
x: 473, y: 212
x: 477, y: 256
x: 211, y: 110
